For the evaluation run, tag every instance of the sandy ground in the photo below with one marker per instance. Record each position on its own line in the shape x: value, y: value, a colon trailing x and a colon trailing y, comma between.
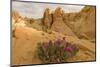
x: 25, y: 42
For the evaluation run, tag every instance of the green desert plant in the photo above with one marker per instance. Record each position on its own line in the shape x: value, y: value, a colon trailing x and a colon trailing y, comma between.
x: 56, y: 52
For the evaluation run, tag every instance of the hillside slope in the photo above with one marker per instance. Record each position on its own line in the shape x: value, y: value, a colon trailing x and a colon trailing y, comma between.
x: 25, y: 42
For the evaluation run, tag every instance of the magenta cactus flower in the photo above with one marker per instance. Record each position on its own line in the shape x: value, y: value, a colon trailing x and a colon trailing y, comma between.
x: 69, y: 49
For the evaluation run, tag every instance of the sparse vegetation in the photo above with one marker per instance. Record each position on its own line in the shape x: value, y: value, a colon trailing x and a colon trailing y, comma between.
x: 56, y: 52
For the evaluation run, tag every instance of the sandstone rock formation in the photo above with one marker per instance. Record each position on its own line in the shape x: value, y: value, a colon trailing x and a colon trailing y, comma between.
x: 15, y: 15
x: 17, y: 21
x: 47, y: 18
x: 89, y: 22
x: 59, y: 25
x: 58, y: 14
x: 82, y: 23
x: 54, y: 21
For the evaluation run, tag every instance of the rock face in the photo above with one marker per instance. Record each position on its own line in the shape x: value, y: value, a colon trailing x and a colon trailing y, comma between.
x: 54, y: 21
x: 15, y: 15
x: 58, y: 15
x: 82, y: 23
x: 47, y: 18
x: 17, y: 20
x: 89, y: 22
x: 59, y: 25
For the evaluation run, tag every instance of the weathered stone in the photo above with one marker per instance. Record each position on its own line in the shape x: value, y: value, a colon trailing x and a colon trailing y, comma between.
x: 47, y: 18
x: 59, y: 25
x: 82, y: 23
x: 58, y: 14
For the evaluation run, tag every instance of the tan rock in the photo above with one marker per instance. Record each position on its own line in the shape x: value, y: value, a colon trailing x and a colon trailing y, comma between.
x: 47, y: 18
x: 83, y: 22
x: 58, y: 14
x: 59, y: 25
